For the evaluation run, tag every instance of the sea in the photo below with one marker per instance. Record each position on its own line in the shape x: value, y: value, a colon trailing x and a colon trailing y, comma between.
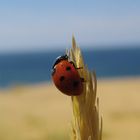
x: 35, y: 67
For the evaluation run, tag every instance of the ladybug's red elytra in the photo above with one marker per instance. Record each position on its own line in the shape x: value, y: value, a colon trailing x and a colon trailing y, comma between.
x: 66, y: 77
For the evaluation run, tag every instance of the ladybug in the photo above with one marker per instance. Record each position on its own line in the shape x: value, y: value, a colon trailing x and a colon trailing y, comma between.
x: 66, y: 77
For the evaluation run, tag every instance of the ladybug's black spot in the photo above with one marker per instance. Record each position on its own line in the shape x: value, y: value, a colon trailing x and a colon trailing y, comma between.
x: 75, y: 83
x: 68, y: 68
x: 62, y: 78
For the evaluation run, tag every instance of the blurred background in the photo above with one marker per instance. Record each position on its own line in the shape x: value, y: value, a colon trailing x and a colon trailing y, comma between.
x: 33, y: 33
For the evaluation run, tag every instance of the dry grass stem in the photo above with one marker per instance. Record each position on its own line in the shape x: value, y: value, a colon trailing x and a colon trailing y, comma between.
x: 87, y: 124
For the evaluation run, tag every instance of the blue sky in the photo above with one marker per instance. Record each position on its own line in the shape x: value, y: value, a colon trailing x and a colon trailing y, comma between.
x: 41, y: 24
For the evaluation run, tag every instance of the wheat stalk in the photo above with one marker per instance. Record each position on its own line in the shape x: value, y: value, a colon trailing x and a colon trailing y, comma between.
x: 87, y: 125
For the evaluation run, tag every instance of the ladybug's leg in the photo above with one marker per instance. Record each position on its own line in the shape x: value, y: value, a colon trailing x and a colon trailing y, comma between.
x: 75, y: 66
x: 82, y: 79
x: 80, y: 68
x: 72, y: 64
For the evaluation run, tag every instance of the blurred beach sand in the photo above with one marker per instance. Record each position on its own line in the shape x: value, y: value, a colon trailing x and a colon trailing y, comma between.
x: 41, y: 112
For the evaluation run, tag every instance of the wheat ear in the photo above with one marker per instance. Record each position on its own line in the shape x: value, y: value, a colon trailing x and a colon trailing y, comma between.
x: 87, y: 124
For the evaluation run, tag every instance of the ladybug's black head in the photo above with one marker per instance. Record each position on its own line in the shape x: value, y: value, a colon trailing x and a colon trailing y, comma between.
x: 58, y: 59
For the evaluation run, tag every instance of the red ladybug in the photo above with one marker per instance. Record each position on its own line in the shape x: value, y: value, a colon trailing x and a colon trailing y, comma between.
x: 66, y: 77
